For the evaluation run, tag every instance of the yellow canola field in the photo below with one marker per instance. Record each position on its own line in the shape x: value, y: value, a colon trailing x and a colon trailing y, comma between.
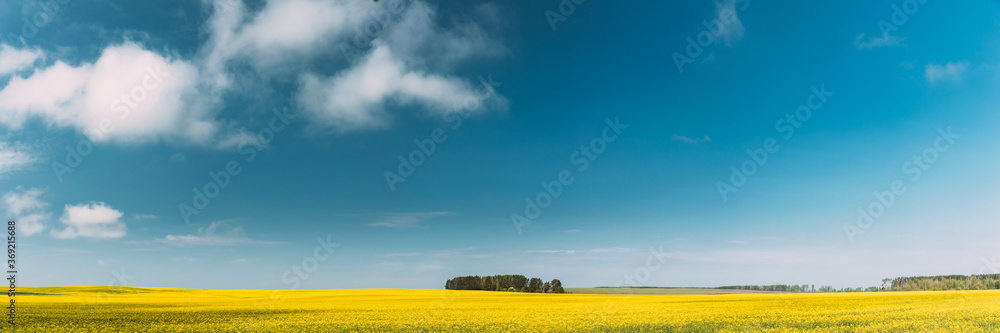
x: 95, y: 309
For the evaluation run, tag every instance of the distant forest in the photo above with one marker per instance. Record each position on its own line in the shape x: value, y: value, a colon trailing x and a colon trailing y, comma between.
x: 911, y: 283
x: 516, y: 283
x: 944, y: 282
x: 805, y: 288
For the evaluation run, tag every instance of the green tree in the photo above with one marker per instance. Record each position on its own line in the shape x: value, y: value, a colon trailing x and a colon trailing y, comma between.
x: 534, y: 285
x: 557, y: 286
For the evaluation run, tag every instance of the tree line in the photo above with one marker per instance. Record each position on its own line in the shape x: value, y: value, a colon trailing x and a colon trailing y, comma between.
x: 805, y: 288
x: 943, y: 282
x: 517, y: 283
x: 909, y: 283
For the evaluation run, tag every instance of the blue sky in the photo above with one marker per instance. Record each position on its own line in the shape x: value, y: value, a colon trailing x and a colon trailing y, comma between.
x: 309, y: 114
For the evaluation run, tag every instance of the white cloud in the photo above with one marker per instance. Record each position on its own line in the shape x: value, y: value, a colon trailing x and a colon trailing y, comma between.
x: 280, y: 36
x: 406, y: 220
x: 13, y: 60
x: 286, y: 34
x: 887, y: 39
x: 239, y: 261
x: 357, y: 98
x: 27, y: 210
x: 731, y: 29
x: 218, y: 233
x: 403, y: 56
x: 410, y: 66
x: 128, y: 95
x: 32, y: 223
x: 14, y: 157
x: 95, y: 220
x: 20, y: 200
x: 571, y: 231
x: 419, y: 41
x: 951, y: 71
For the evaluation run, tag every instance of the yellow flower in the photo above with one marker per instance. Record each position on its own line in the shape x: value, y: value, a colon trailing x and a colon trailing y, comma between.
x: 96, y: 309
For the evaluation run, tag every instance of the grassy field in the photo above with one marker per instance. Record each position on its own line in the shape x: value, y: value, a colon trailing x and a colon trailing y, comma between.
x: 663, y: 291
x: 92, y: 309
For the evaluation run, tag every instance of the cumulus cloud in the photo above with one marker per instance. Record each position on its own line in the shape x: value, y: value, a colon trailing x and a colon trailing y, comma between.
x: 95, y: 220
x: 128, y: 95
x: 218, y: 233
x: 13, y: 60
x: 951, y: 71
x: 282, y: 33
x: 27, y: 209
x: 357, y: 98
x: 131, y: 95
x: 402, y: 56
